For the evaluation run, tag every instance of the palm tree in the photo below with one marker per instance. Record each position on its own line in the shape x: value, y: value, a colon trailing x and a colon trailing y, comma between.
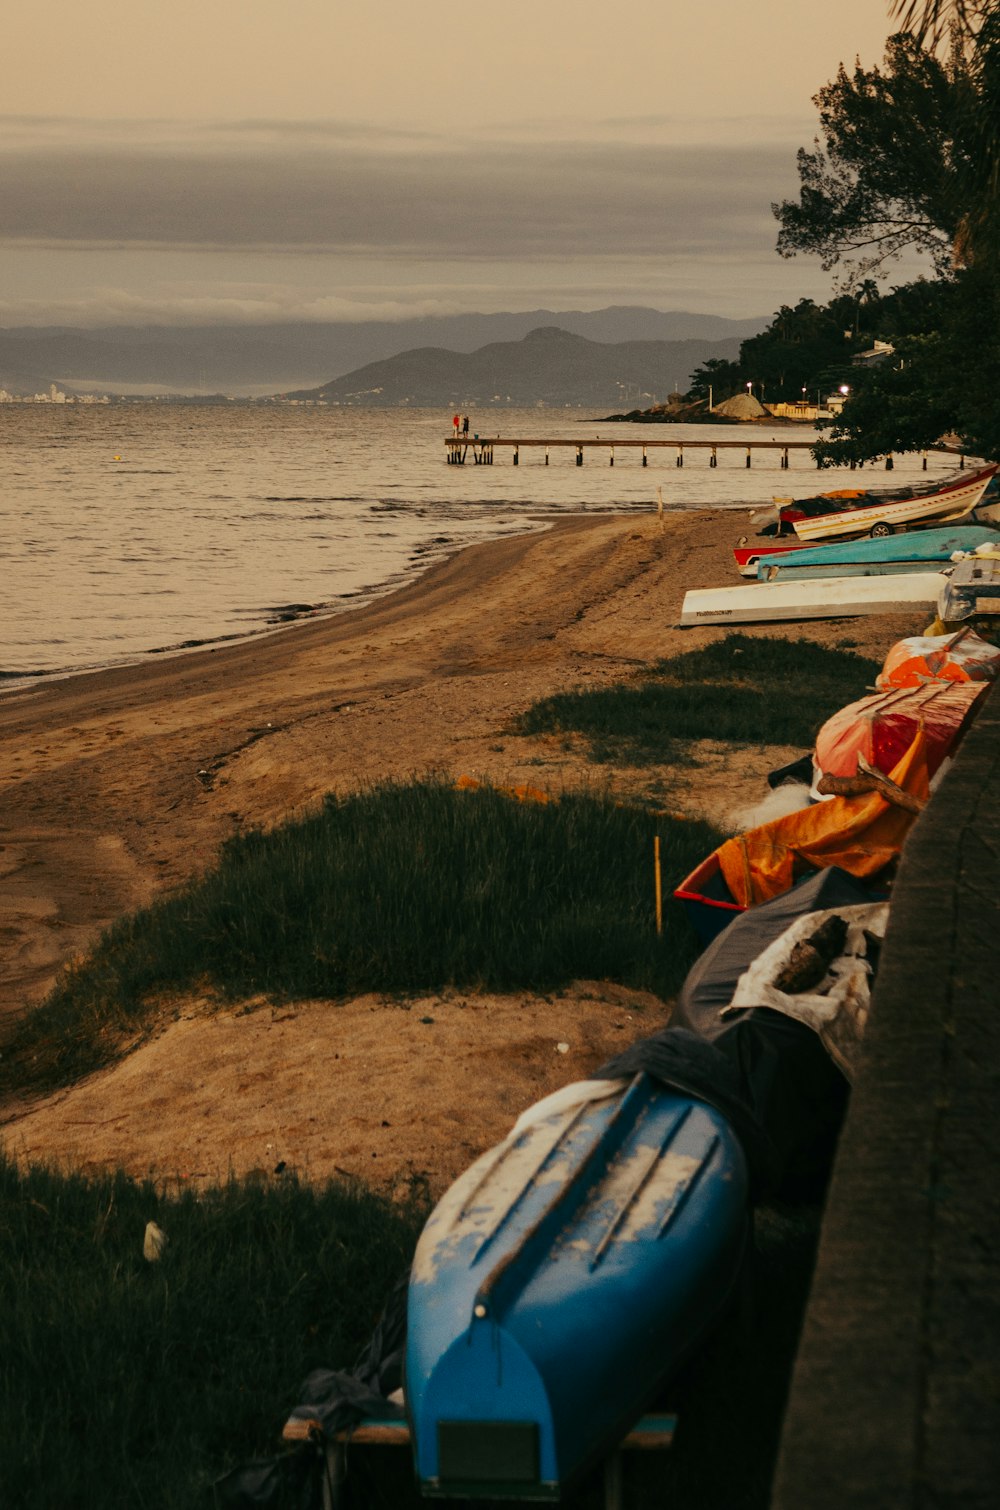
x: 930, y: 19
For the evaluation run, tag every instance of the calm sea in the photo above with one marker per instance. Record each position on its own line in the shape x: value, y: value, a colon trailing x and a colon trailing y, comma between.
x: 131, y: 530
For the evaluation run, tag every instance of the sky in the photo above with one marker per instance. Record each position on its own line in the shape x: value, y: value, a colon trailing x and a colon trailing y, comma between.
x: 204, y: 161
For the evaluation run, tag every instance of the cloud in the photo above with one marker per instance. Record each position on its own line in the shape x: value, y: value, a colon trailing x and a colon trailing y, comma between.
x: 496, y: 200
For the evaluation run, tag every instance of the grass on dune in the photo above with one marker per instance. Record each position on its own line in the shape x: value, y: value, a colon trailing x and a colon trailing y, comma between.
x: 742, y: 689
x: 126, y: 1383
x: 402, y: 888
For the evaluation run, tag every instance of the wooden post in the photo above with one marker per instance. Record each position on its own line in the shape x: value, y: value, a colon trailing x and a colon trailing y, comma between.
x: 579, y: 456
x: 713, y: 460
x: 334, y: 1475
x: 613, y: 1487
x: 748, y: 455
x: 515, y: 455
x: 659, y: 885
x: 645, y: 458
x: 889, y: 463
x: 680, y: 454
x: 546, y: 455
x: 784, y: 459
x: 611, y: 462
x: 923, y: 464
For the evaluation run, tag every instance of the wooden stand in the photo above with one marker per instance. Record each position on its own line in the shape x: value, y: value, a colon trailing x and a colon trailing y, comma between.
x: 653, y: 1433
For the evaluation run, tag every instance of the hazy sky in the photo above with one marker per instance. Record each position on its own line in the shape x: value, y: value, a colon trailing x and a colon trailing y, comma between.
x: 201, y: 160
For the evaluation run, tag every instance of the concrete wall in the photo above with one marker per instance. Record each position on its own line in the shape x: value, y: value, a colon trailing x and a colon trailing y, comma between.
x: 895, y: 1399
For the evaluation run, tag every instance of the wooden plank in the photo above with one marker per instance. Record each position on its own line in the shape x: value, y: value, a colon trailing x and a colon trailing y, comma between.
x: 650, y: 1433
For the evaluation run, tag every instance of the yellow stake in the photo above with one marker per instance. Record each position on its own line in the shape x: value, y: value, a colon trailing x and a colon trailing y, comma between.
x: 659, y: 884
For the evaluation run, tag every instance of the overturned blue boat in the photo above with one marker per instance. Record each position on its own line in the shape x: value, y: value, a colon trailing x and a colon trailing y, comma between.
x: 563, y: 1278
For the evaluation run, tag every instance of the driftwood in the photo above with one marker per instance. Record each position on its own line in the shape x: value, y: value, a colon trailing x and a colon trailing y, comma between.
x: 869, y: 780
x: 810, y: 959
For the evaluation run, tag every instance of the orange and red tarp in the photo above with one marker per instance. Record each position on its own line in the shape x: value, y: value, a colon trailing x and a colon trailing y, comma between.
x: 859, y: 834
x: 962, y: 657
x: 881, y: 727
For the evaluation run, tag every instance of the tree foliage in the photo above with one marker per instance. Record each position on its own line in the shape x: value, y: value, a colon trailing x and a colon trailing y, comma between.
x: 716, y: 380
x: 930, y: 20
x: 910, y: 157
x: 894, y: 168
x: 943, y: 377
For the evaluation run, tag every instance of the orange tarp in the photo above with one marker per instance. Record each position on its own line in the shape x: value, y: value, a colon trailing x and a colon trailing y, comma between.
x: 962, y: 657
x: 522, y: 793
x: 859, y: 834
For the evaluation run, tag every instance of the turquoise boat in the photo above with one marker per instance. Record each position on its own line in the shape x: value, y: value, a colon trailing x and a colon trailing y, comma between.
x: 560, y: 1281
x: 898, y: 552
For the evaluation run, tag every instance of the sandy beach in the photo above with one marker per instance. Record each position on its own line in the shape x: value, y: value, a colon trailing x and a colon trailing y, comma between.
x: 120, y: 785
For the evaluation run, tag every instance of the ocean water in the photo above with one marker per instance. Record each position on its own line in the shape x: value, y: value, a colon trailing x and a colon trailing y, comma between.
x: 129, y: 531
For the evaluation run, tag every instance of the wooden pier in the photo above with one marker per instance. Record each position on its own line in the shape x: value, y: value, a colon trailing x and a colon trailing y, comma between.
x: 483, y: 447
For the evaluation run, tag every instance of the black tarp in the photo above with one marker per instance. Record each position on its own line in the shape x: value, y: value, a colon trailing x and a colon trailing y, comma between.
x: 797, y: 1093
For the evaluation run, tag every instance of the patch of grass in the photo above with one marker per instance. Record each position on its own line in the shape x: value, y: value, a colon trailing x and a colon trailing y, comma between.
x: 403, y: 888
x: 741, y: 689
x: 125, y: 1383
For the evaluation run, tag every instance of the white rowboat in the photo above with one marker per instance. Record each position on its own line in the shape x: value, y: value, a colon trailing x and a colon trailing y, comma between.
x: 826, y: 598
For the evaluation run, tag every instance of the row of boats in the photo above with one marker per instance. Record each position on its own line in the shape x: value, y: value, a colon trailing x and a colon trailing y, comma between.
x: 576, y: 1265
x: 935, y: 546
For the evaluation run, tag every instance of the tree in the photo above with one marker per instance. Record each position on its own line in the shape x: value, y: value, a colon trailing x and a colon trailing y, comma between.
x: 911, y: 158
x: 716, y: 379
x: 893, y: 169
x: 804, y: 347
x: 929, y: 20
x: 943, y: 376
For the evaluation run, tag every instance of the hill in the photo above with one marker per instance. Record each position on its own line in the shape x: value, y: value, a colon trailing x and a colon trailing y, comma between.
x: 258, y: 358
x: 548, y: 366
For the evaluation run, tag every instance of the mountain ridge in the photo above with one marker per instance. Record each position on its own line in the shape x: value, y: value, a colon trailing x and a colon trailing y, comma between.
x: 263, y: 358
x: 547, y: 366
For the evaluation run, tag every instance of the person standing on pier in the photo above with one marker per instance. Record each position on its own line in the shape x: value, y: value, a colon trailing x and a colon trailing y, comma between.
x: 465, y: 424
x: 456, y: 422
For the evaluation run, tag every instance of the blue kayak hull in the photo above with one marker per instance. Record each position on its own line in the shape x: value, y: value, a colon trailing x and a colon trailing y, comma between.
x: 561, y: 1280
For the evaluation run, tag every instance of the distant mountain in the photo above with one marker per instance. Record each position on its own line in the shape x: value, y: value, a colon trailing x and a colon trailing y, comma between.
x: 242, y: 359
x: 548, y: 366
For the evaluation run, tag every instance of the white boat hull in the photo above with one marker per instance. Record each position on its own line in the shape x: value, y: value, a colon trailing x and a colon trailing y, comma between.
x: 827, y: 598
x: 952, y: 503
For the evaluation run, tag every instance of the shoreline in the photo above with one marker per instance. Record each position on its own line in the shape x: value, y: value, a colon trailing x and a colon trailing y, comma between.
x: 121, y: 785
x: 123, y: 781
x: 12, y: 682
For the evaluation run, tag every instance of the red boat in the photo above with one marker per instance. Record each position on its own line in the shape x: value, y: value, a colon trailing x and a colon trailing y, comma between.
x: 747, y: 557
x: 882, y: 727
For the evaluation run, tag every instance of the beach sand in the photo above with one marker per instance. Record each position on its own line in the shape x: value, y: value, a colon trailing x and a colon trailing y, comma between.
x: 121, y: 784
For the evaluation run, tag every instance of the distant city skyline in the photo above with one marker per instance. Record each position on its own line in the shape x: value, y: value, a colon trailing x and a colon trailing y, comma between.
x: 220, y: 162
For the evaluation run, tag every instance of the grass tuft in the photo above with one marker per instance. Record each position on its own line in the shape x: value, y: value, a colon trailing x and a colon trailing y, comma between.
x: 742, y: 689
x: 403, y: 888
x: 127, y: 1383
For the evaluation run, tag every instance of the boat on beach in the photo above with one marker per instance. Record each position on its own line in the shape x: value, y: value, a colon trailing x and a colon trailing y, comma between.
x: 563, y: 1278
x: 879, y: 512
x: 824, y: 598
x: 971, y: 594
x: 881, y: 727
x: 905, y: 551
